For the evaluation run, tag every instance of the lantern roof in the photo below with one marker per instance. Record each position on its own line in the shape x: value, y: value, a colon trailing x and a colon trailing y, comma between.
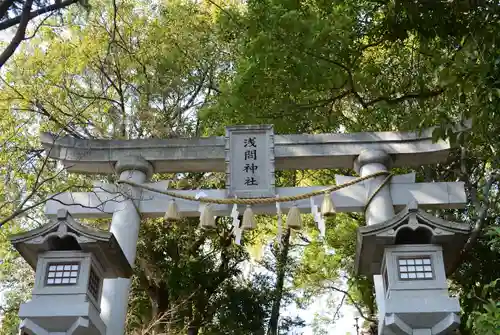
x: 410, y: 226
x: 65, y: 233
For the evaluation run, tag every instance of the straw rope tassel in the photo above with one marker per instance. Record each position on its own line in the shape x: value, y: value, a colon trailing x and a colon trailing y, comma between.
x: 248, y: 219
x: 293, y: 219
x: 207, y: 218
x: 327, y: 207
x: 172, y: 215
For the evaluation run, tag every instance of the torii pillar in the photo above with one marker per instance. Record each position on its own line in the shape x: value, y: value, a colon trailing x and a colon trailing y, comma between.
x: 381, y: 207
x: 135, y: 160
x: 125, y: 225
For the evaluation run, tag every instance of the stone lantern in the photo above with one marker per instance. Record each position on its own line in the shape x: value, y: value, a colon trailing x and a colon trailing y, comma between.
x: 71, y: 261
x: 408, y: 256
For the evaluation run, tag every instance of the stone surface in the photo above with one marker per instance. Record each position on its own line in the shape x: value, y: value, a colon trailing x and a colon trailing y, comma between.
x: 103, y: 202
x: 81, y: 326
x: 69, y: 309
x: 381, y: 206
x: 374, y: 239
x: 415, y: 306
x: 125, y: 225
x: 250, y: 161
x: 134, y: 163
x: 292, y: 152
x: 406, y: 178
x: 372, y: 157
x: 100, y: 243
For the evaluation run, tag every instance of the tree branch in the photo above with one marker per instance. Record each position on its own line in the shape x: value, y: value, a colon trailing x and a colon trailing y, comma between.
x: 30, y: 15
x: 353, y: 302
x: 43, y: 111
x: 24, y: 18
x: 479, y: 224
x: 35, y: 31
x: 5, y: 6
x: 277, y: 296
x: 336, y: 315
x: 223, y: 10
x: 20, y: 210
x: 409, y: 96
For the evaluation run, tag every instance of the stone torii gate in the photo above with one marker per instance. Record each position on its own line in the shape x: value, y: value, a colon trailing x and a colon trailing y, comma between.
x: 136, y: 161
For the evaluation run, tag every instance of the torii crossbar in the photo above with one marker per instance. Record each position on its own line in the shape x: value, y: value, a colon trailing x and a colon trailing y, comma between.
x: 292, y: 152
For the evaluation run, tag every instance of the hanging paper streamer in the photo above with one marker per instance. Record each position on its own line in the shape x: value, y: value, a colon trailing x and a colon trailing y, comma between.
x: 280, y: 224
x: 322, y: 226
x: 318, y: 218
x: 236, y: 225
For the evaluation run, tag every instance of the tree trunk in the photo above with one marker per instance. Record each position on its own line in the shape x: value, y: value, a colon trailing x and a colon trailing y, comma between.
x: 280, y: 280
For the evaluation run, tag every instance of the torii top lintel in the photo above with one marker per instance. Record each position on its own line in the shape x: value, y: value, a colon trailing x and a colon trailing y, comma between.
x: 207, y: 154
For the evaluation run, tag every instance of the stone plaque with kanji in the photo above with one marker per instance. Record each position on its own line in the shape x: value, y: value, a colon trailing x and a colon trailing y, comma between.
x: 250, y: 161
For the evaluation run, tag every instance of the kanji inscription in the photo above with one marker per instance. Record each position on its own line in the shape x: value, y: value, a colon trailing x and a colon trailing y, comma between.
x: 250, y: 161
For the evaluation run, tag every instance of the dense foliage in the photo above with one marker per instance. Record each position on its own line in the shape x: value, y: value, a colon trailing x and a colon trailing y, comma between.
x: 165, y: 69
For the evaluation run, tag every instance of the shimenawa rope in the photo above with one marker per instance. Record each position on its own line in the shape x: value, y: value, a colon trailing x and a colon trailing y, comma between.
x: 256, y: 201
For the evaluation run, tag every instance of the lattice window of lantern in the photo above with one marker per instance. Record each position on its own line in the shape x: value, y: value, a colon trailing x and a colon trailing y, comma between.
x: 416, y: 268
x: 62, y: 274
x: 94, y: 283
